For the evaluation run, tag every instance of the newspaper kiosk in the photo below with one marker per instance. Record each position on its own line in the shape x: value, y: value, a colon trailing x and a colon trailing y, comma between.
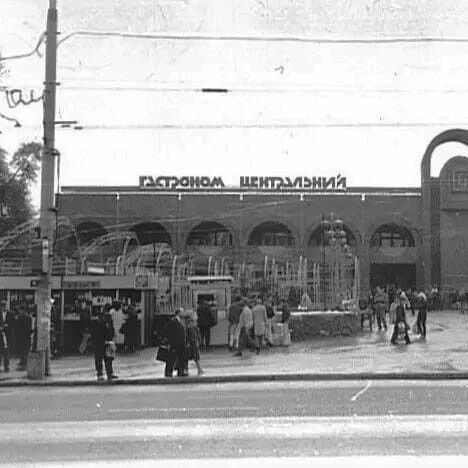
x: 216, y: 290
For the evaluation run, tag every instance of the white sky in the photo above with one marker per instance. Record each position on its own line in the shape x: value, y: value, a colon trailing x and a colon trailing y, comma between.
x: 345, y: 84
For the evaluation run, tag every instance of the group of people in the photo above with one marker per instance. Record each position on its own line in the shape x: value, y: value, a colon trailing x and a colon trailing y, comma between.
x: 251, y: 323
x: 16, y: 333
x: 182, y: 339
x: 125, y: 321
x: 383, y: 307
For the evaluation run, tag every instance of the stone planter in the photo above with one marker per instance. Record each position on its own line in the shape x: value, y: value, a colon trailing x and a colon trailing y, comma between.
x: 306, y: 325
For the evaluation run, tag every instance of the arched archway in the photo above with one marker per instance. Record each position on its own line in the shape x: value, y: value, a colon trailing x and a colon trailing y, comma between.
x: 432, y: 272
x: 88, y: 231
x: 392, y: 236
x: 210, y: 234
x: 152, y: 233
x: 393, y: 256
x: 271, y: 234
x: 317, y: 239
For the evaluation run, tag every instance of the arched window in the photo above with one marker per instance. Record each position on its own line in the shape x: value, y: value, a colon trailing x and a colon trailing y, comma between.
x: 210, y: 233
x: 86, y: 232
x: 392, y: 235
x: 271, y: 234
x: 316, y: 237
x: 152, y: 233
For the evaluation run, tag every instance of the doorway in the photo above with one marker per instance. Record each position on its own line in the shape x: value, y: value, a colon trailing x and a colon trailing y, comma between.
x: 403, y: 275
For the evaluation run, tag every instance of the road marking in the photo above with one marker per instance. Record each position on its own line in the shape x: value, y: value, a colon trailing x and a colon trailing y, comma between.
x: 251, y: 428
x: 361, y: 392
x: 303, y: 462
x: 170, y: 410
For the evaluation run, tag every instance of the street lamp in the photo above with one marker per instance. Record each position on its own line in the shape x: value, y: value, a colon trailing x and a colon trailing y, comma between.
x: 335, y: 236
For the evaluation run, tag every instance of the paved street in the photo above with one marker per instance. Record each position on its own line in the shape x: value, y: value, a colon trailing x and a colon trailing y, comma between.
x: 445, y: 350
x: 233, y: 420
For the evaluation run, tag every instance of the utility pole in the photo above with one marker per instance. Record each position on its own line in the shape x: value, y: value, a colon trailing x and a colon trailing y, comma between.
x: 39, y: 363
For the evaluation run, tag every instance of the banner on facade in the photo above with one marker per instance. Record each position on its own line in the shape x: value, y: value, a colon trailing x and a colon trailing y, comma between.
x: 245, y: 183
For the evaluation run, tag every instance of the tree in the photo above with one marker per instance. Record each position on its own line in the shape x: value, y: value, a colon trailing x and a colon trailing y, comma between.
x: 16, y: 178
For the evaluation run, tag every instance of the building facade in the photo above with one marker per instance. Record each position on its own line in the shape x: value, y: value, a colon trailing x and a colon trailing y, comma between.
x: 406, y: 236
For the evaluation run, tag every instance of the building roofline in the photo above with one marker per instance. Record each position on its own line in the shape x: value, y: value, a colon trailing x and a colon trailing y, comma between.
x: 135, y: 190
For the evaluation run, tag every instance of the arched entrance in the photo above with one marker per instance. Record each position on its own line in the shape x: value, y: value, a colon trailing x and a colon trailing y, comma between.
x: 393, y: 257
x: 209, y: 234
x: 88, y: 231
x: 271, y: 234
x: 152, y: 233
x: 432, y: 274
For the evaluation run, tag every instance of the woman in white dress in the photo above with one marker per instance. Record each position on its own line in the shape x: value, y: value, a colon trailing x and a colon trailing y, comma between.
x: 119, y: 318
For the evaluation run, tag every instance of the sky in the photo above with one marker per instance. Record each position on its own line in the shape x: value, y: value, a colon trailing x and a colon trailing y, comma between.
x: 284, y: 95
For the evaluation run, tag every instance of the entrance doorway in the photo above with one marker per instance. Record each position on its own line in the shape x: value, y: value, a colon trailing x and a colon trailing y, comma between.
x: 403, y: 275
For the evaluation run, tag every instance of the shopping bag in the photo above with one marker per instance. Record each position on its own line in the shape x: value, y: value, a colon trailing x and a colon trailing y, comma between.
x: 163, y: 353
x: 110, y: 349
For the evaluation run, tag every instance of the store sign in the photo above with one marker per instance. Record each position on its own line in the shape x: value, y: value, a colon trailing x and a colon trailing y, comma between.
x: 245, y: 183
x: 288, y: 183
x: 172, y: 182
x: 81, y: 285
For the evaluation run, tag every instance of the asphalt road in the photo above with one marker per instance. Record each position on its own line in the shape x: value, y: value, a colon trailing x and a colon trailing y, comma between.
x: 325, y: 419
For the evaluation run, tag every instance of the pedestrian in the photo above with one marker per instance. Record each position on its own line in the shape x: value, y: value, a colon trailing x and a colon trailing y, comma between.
x: 177, y: 341
x: 392, y: 309
x: 118, y: 316
x: 269, y: 325
x: 132, y: 328
x: 194, y: 339
x: 23, y: 331
x: 246, y: 326
x: 380, y: 307
x: 205, y: 322
x: 422, y: 314
x: 235, y: 309
x: 85, y: 326
x: 401, y: 318
x: 260, y: 318
x: 7, y: 323
x: 102, y: 336
x: 285, y: 316
x: 365, y: 313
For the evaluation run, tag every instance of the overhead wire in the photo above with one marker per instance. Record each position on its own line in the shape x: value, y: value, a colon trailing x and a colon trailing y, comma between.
x: 264, y: 38
x: 265, y: 126
x: 35, y: 51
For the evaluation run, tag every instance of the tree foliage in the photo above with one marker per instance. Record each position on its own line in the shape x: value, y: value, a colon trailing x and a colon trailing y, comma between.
x: 17, y: 175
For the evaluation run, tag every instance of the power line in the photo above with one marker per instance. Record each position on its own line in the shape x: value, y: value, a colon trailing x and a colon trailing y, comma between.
x: 35, y: 51
x: 268, y: 126
x: 240, y: 38
x: 266, y: 38
x: 263, y: 90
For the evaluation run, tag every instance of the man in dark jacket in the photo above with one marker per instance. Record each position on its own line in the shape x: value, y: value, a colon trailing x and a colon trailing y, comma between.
x: 177, y: 340
x: 23, y: 332
x: 7, y: 323
x: 205, y: 322
x: 401, y: 318
x: 235, y: 310
x: 102, y: 331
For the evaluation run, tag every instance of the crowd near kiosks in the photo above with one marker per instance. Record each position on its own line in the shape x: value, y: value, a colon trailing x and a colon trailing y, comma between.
x: 102, y: 317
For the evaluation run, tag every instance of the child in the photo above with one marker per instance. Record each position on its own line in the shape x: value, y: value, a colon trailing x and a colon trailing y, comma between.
x: 194, y: 340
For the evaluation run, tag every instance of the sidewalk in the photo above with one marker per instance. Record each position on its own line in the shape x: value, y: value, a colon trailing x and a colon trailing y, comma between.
x: 368, y: 355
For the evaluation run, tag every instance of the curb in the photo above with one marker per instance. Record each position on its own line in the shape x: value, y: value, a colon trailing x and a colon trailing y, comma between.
x: 239, y: 379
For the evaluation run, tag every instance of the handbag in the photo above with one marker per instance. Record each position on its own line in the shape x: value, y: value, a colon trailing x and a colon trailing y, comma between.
x: 110, y: 349
x: 163, y: 354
